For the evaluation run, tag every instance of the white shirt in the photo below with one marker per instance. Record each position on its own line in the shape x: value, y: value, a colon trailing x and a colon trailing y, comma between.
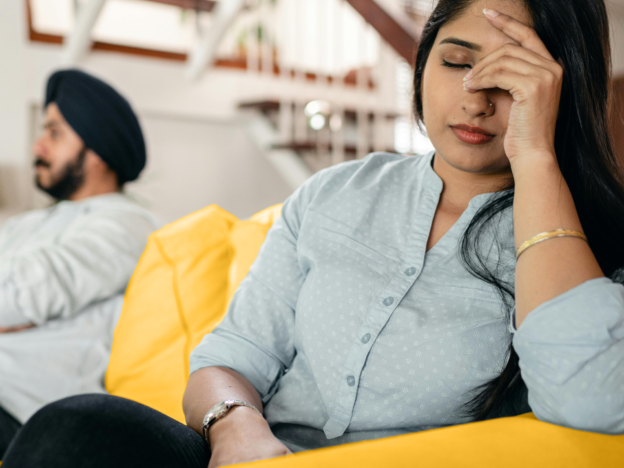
x: 65, y: 269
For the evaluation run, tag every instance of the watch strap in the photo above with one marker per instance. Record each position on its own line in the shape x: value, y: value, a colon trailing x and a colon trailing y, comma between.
x: 219, y: 411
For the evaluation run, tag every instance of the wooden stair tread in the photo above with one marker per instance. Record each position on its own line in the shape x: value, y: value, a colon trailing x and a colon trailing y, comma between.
x: 274, y: 106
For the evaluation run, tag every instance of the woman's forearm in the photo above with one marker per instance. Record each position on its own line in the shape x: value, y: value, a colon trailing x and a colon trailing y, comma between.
x: 212, y: 385
x: 543, y: 202
x: 243, y: 435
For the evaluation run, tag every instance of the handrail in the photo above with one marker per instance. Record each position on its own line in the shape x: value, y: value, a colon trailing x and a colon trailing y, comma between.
x: 387, y: 27
x: 198, y: 5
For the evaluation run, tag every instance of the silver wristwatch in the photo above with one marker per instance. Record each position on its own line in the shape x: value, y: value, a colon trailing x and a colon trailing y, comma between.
x: 219, y: 410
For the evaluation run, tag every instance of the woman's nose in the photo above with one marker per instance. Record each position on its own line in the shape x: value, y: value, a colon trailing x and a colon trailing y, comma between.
x: 477, y: 104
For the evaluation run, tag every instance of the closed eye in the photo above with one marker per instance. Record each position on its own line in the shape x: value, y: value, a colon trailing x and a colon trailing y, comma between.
x: 455, y: 65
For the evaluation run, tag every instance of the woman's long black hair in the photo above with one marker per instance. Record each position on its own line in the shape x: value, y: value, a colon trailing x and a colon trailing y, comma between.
x: 577, y: 32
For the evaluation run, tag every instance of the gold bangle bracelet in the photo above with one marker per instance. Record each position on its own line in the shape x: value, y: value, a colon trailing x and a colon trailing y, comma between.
x: 549, y: 235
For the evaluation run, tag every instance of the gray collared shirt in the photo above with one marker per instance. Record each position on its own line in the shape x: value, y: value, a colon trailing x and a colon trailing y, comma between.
x: 350, y: 330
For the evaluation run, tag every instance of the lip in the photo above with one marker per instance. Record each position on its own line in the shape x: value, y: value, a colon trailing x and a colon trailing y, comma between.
x: 472, y: 135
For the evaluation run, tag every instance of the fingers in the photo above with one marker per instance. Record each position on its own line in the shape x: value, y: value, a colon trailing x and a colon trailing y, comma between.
x: 509, y: 64
x: 521, y: 33
x: 510, y: 51
x: 523, y: 88
x: 530, y: 59
x: 503, y: 80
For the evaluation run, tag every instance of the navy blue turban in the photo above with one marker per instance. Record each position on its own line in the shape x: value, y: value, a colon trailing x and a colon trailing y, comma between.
x: 102, y: 118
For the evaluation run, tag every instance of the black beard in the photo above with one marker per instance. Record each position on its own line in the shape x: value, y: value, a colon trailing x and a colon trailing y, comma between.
x: 70, y: 181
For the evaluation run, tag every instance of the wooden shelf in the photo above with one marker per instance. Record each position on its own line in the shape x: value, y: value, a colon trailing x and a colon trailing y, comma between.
x: 197, y: 5
x: 311, y: 146
x: 268, y: 106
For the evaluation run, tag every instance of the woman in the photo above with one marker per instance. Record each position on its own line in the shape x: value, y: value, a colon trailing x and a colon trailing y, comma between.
x: 402, y: 271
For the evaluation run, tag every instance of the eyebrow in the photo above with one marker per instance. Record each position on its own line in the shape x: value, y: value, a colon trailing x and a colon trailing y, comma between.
x: 459, y: 42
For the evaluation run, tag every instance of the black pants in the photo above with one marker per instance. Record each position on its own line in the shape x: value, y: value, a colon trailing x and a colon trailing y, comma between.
x: 104, y: 431
x: 9, y: 426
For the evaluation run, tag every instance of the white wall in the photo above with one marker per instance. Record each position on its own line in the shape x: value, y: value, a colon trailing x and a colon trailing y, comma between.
x: 214, y: 162
x: 191, y: 129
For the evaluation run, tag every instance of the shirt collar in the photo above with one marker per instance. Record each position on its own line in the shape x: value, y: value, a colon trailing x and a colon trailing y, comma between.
x: 94, y: 198
x: 433, y: 180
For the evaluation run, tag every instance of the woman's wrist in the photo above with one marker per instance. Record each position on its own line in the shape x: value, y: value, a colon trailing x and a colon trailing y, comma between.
x: 240, y: 421
x: 539, y: 163
x: 542, y: 200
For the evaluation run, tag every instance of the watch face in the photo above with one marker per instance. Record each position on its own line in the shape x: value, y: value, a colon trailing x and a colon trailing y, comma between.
x: 220, y: 410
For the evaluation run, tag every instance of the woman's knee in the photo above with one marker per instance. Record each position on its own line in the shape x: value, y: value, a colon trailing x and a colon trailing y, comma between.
x: 76, y: 412
x: 102, y: 430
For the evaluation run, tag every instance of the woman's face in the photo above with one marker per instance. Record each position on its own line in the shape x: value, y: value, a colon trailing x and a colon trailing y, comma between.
x: 446, y: 104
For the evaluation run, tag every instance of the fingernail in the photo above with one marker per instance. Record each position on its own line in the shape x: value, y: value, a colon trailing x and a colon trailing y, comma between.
x: 468, y: 75
x: 490, y: 13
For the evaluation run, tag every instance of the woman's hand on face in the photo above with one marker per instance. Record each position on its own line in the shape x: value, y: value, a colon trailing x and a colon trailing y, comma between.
x: 533, y: 78
x: 243, y: 436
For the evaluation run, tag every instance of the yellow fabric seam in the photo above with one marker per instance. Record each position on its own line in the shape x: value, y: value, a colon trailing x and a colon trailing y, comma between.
x: 176, y: 291
x: 231, y: 255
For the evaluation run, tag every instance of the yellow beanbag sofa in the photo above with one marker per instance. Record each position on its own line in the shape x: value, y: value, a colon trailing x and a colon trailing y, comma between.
x: 180, y: 291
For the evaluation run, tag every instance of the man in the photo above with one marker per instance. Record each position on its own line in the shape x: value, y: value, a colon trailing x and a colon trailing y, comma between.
x: 64, y: 269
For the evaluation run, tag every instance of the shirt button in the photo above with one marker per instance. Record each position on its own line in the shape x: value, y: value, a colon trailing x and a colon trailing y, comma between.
x: 410, y: 271
x: 350, y: 381
x: 366, y: 338
x: 388, y: 301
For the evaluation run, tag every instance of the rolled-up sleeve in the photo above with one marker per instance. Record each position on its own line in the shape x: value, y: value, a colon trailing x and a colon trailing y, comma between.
x: 256, y: 338
x: 571, y: 351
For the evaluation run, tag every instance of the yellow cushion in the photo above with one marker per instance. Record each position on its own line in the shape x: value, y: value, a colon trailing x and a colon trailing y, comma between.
x: 180, y: 290
x: 518, y: 442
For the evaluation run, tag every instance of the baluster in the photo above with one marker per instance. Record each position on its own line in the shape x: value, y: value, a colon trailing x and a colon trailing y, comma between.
x: 266, y: 22
x: 338, y: 154
x: 381, y: 84
x: 404, y: 124
x: 253, y: 64
x: 322, y: 78
x: 362, y: 82
x: 285, y: 119
x: 301, y: 124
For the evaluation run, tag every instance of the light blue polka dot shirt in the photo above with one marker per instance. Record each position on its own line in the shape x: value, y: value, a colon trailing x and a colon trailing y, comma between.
x: 350, y: 330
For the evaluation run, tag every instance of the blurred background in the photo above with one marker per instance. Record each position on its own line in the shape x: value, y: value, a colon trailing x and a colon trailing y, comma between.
x: 240, y: 100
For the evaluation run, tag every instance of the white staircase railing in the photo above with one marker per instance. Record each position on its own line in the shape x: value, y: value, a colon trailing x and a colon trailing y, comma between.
x: 300, y: 51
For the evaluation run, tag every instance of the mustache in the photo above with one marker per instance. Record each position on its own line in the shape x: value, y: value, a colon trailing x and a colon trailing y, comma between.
x: 41, y: 162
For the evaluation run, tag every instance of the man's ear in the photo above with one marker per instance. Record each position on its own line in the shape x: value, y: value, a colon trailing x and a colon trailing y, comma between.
x: 95, y: 164
x: 92, y: 159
